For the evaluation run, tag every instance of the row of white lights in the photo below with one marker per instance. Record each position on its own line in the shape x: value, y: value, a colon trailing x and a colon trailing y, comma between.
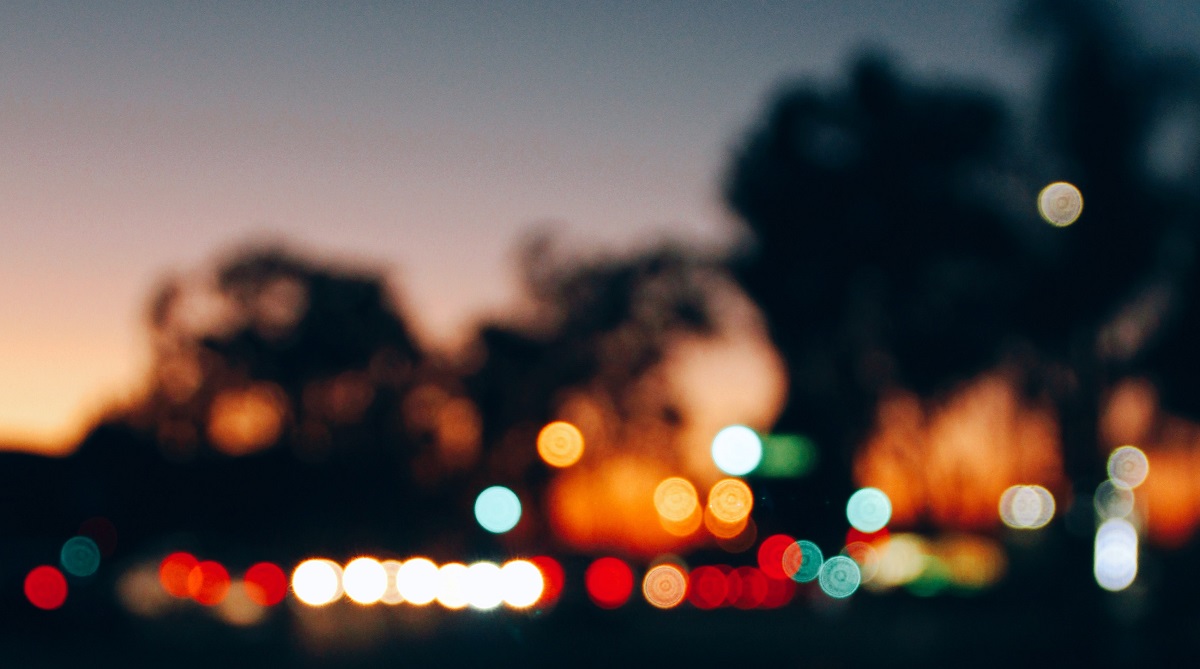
x: 419, y: 581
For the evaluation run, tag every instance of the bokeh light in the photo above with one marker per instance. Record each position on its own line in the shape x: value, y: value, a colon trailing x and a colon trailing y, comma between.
x: 521, y: 584
x: 609, y: 582
x: 238, y: 608
x: 747, y: 588
x: 365, y: 580
x: 839, y: 577
x: 173, y: 573
x: 665, y: 586
x: 391, y: 594
x: 741, y: 541
x: 452, y: 586
x: 1060, y: 203
x: 901, y: 559
x: 80, y: 556
x: 103, y: 532
x: 770, y: 555
x: 676, y: 500
x: 869, y: 510
x: 1115, y: 563
x: 553, y: 578
x: 730, y: 500
x: 1112, y: 501
x: 208, y: 583
x: 786, y: 456
x: 802, y: 561
x: 497, y: 509
x: 708, y: 587
x: 1128, y: 467
x: 265, y: 584
x: 417, y: 581
x: 46, y: 588
x: 867, y: 558
x: 560, y: 444
x: 1026, y: 507
x: 737, y: 450
x: 485, y: 589
x: 317, y: 582
x: 723, y: 530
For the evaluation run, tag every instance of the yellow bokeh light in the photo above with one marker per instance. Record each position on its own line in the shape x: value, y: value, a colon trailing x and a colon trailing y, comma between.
x: 1060, y: 203
x: 417, y: 581
x: 676, y: 499
x: 722, y: 529
x: 521, y: 583
x: 453, y: 589
x: 665, y: 586
x: 560, y: 444
x: 317, y: 582
x: 365, y: 580
x: 730, y: 500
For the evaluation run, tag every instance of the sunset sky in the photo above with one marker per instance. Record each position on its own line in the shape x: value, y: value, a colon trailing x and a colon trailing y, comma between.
x: 146, y: 138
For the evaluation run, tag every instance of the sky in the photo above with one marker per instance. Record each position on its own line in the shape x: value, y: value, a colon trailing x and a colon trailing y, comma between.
x: 424, y: 139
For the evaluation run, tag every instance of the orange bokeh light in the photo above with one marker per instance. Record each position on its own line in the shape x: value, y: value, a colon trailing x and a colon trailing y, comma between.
x: 560, y: 444
x: 208, y: 583
x: 730, y: 501
x: 665, y: 586
x: 173, y: 573
x: 676, y: 500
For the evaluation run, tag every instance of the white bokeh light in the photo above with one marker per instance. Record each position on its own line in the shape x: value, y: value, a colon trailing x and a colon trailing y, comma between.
x: 417, y: 581
x: 317, y: 582
x: 522, y: 583
x: 365, y: 580
x: 737, y: 450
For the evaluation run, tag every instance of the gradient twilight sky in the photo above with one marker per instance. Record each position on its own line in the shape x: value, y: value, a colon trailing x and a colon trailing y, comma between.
x: 424, y: 138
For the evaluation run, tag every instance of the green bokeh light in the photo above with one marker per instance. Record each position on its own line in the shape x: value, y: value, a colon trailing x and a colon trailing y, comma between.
x: 839, y: 577
x: 787, y: 456
x: 934, y: 578
x: 497, y: 509
x: 80, y: 556
x: 811, y: 561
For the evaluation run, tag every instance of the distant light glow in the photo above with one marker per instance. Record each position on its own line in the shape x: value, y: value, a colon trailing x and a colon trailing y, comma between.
x: 497, y: 509
x: 721, y: 529
x: 238, y: 609
x: 452, y: 586
x: 708, y: 587
x: 391, y: 594
x: 46, y: 588
x: 609, y: 582
x: 737, y: 450
x: 869, y: 510
x: 665, y: 586
x: 1026, y: 507
x: 485, y: 589
x: 730, y: 500
x: 802, y: 561
x: 1112, y: 501
x: 560, y: 444
x: 786, y: 456
x: 1128, y: 467
x: 521, y: 584
x: 173, y: 573
x: 770, y: 555
x: 103, y: 532
x: 417, y: 581
x: 675, y: 499
x: 80, y: 556
x: 1115, y: 563
x: 839, y: 577
x: 1060, y: 203
x: 208, y: 583
x: 901, y: 559
x: 317, y: 582
x: 364, y: 580
x: 265, y: 584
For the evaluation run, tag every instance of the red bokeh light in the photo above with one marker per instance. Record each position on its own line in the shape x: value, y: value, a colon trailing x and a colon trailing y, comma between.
x: 46, y: 588
x: 265, y: 583
x: 874, y: 537
x: 609, y: 582
x: 707, y: 587
x: 208, y: 583
x: 747, y: 588
x: 779, y: 593
x: 770, y: 556
x: 173, y: 573
x: 553, y: 577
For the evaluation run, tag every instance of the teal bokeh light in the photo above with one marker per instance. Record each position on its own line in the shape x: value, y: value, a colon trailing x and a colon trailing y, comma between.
x: 839, y: 577
x: 80, y: 556
x: 869, y: 510
x: 811, y: 560
x: 497, y: 509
